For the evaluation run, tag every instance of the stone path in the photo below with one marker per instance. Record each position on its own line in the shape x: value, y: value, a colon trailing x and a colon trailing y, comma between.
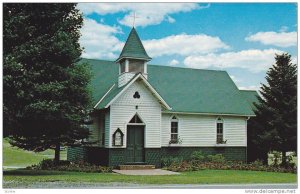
x: 146, y: 172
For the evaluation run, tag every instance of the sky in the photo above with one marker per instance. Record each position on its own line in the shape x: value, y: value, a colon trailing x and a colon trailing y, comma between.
x: 240, y: 38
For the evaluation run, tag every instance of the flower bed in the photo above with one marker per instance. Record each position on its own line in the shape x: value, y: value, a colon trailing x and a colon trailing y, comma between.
x: 218, y: 162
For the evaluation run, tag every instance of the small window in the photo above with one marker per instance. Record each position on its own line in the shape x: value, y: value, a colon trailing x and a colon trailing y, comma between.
x: 118, y: 138
x: 103, y: 137
x: 136, y: 119
x: 103, y: 132
x: 122, y: 66
x: 220, y: 129
x: 174, y: 129
x: 136, y: 95
x: 136, y: 66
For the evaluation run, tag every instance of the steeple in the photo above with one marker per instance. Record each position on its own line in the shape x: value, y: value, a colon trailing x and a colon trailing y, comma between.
x: 134, y: 48
x: 133, y: 58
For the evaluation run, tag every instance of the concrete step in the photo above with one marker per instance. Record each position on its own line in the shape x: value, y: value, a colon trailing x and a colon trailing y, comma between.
x: 136, y: 167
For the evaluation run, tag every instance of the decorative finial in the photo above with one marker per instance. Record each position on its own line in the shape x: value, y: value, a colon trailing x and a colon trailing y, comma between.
x: 134, y: 16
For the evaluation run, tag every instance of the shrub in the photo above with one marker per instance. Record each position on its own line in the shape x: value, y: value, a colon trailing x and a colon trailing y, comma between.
x: 190, y: 166
x: 79, y: 166
x: 167, y: 161
x: 197, y: 156
x: 218, y: 158
x: 218, y: 162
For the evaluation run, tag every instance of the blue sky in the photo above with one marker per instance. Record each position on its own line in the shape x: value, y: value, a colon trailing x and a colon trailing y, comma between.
x: 240, y: 38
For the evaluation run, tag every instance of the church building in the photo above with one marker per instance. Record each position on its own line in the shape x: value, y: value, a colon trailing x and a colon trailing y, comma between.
x: 143, y: 113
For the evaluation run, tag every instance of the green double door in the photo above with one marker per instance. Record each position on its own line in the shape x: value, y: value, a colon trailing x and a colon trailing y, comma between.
x: 135, y: 144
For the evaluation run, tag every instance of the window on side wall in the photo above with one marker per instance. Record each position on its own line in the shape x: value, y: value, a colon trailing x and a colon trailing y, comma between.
x: 220, y: 130
x: 174, y: 128
x: 103, y: 132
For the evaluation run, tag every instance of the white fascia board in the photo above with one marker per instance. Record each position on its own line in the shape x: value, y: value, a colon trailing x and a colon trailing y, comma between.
x: 216, y: 114
x: 155, y: 93
x: 104, y: 96
x: 147, y: 84
x: 133, y: 58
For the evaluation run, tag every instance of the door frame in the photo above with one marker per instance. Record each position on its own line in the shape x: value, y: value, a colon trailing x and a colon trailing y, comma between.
x: 144, y: 132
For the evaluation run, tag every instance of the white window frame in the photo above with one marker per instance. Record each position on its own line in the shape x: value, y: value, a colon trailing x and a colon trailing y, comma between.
x: 174, y: 120
x: 218, y: 121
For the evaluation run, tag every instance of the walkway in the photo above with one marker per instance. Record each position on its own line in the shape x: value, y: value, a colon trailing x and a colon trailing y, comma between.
x: 146, y: 172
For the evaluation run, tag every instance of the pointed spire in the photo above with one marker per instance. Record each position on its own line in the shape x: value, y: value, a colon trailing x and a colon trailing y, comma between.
x: 134, y: 48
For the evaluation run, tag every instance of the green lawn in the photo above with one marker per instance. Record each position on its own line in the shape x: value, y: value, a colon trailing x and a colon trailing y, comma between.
x: 13, y: 156
x: 17, y: 157
x: 196, y: 177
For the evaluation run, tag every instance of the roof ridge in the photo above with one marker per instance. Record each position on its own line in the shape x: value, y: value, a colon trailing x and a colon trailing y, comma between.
x: 167, y: 66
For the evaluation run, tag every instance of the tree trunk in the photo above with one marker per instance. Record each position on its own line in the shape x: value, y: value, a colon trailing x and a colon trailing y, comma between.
x: 57, y: 154
x: 283, y: 159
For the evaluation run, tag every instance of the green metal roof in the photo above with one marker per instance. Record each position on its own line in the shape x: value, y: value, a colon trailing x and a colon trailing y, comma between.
x: 251, y: 96
x: 184, y: 89
x: 133, y: 47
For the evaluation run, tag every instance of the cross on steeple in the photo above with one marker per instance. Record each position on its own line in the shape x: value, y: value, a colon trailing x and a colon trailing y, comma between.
x: 134, y: 16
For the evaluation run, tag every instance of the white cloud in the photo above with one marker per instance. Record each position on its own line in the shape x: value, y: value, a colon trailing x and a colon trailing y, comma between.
x: 147, y: 13
x: 235, y: 79
x: 174, y: 62
x: 99, y: 40
x: 280, y: 39
x: 252, y: 87
x: 184, y: 45
x: 283, y: 29
x: 253, y: 60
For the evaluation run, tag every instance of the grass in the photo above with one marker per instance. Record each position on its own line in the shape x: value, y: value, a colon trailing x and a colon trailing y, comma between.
x: 196, y: 177
x: 16, y: 157
x: 13, y: 156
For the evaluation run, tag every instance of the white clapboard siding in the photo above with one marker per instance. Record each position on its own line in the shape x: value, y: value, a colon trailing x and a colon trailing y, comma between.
x: 94, y: 131
x: 235, y: 131
x: 149, y: 110
x: 200, y: 130
x: 124, y: 78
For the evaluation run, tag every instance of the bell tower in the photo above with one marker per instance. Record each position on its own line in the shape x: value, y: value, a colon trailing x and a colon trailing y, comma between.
x: 133, y: 59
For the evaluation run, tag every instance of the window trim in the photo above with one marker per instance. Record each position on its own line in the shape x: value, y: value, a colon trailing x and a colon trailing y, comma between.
x: 142, y: 123
x: 218, y: 121
x: 172, y: 119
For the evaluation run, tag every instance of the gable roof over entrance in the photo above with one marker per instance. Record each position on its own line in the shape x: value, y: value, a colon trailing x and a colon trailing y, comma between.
x: 136, y: 77
x: 185, y: 90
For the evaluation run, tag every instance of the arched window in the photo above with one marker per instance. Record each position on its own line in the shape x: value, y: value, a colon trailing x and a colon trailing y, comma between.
x: 220, y: 130
x: 118, y: 138
x: 174, y: 128
x: 136, y: 119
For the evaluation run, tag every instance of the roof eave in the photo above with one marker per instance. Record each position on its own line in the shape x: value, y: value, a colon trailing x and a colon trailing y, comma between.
x: 199, y: 113
x: 128, y: 57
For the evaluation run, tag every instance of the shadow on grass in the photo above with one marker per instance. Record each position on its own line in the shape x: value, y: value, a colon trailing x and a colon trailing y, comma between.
x: 24, y: 172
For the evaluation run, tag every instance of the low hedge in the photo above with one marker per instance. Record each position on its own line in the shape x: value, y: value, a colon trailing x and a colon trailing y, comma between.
x: 192, y: 166
x: 80, y: 166
x: 198, y: 161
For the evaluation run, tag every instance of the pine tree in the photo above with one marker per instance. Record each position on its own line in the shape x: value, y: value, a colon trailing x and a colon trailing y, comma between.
x: 277, y: 111
x: 46, y: 92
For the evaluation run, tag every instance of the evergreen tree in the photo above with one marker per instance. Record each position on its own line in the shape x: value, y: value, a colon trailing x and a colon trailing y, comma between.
x: 277, y: 109
x: 45, y: 92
